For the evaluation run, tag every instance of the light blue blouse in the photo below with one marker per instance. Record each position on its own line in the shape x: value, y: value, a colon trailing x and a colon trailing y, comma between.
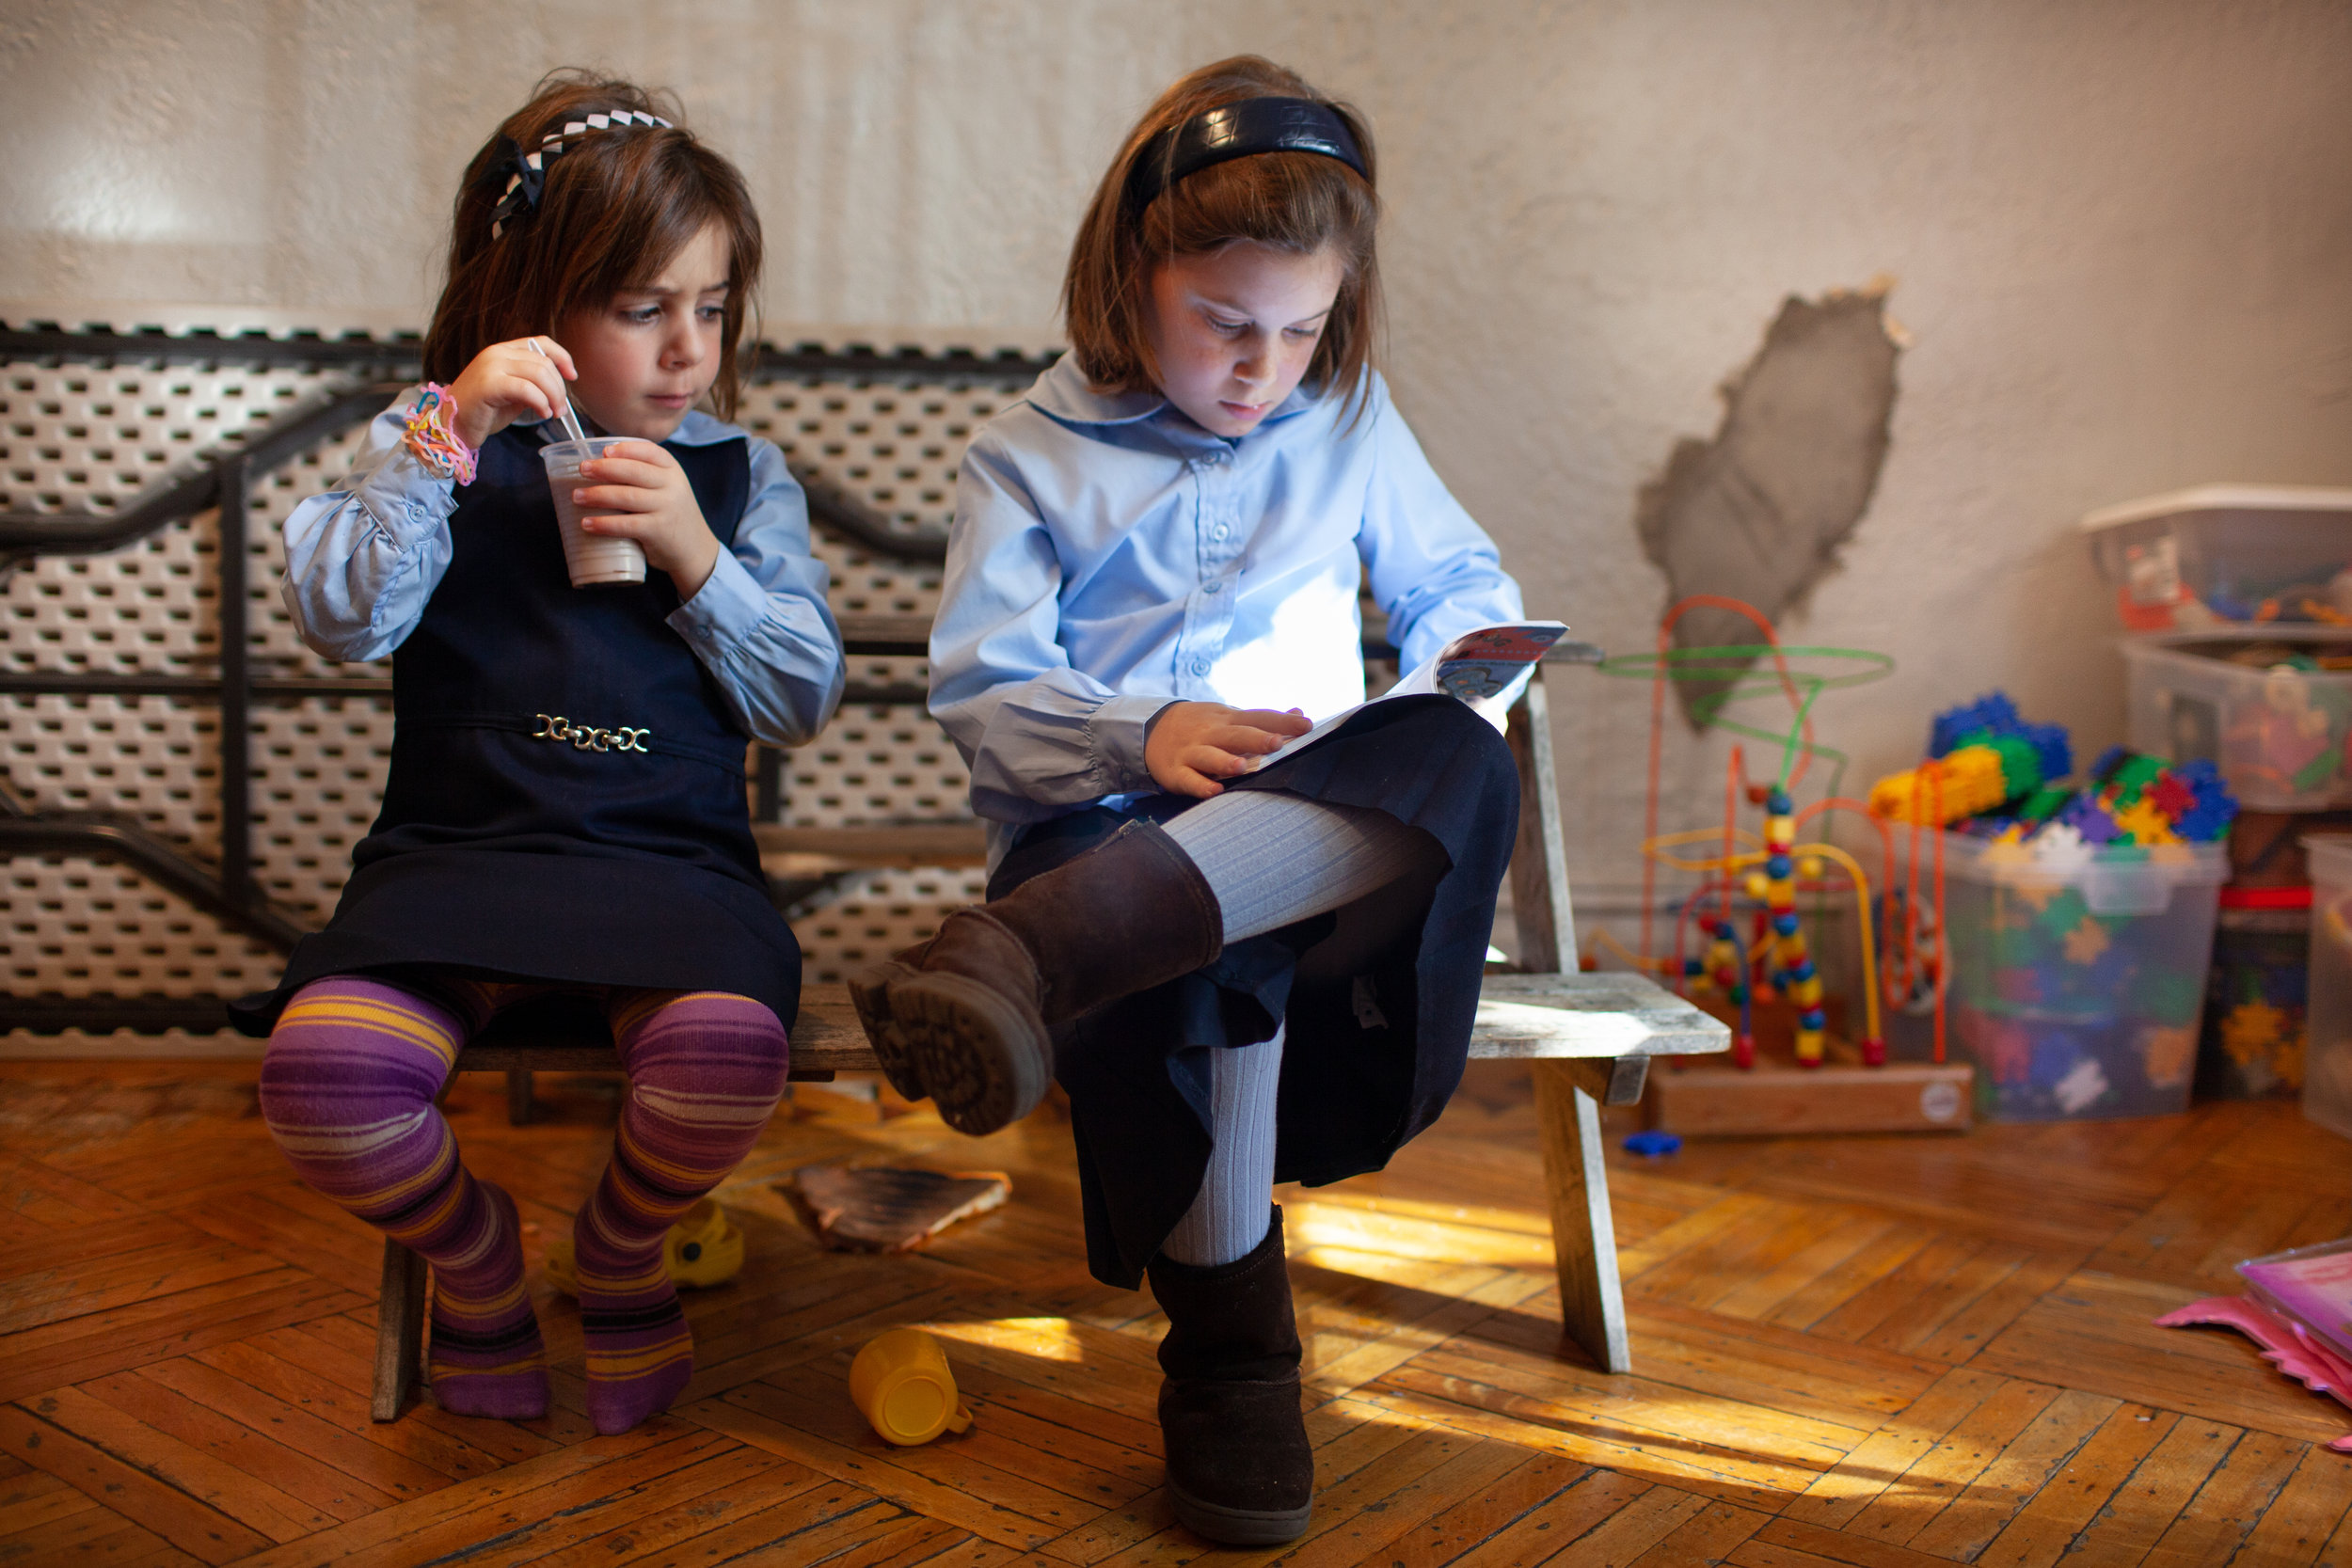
x: 1110, y: 557
x: 363, y: 560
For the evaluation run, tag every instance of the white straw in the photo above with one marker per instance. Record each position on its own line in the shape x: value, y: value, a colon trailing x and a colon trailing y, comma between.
x: 563, y: 409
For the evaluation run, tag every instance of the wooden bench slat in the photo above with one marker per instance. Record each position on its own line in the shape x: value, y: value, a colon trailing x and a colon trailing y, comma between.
x: 918, y: 844
x: 1555, y: 1016
x: 1519, y: 1016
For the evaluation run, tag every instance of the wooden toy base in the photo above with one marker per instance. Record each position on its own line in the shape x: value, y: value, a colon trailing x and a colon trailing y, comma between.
x: 1706, y: 1097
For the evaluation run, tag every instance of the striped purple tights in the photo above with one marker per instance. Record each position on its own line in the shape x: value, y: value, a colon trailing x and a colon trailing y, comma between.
x: 347, y: 1091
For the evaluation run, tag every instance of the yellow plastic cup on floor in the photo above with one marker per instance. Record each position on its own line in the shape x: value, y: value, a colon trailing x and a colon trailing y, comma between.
x: 903, y: 1385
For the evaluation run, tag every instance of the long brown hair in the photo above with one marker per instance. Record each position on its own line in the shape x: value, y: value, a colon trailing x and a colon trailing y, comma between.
x: 1294, y: 202
x: 615, y: 208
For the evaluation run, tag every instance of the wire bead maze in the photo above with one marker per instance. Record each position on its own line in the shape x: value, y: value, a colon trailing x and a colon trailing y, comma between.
x: 1768, y: 869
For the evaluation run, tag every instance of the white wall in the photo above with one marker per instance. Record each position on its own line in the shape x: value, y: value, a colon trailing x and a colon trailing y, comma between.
x: 2122, y: 231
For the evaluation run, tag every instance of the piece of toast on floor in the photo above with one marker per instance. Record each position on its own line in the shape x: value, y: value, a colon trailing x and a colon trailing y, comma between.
x: 888, y: 1208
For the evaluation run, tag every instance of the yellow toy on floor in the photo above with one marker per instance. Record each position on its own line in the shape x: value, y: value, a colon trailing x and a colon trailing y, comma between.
x: 701, y: 1250
x: 902, y: 1384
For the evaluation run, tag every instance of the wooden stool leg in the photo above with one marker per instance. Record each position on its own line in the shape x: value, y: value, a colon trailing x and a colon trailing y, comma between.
x: 399, y: 1330
x: 1569, y: 1096
x: 519, y: 1109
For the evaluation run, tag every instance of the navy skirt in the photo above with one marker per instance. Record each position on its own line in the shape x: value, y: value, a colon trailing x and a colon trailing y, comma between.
x: 576, y: 918
x: 1378, y: 998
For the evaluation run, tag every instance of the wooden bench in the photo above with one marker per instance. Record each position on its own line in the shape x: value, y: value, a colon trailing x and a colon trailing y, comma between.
x: 1587, y: 1038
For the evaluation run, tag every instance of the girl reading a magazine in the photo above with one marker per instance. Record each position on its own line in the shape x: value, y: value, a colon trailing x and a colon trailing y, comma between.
x: 1240, y: 974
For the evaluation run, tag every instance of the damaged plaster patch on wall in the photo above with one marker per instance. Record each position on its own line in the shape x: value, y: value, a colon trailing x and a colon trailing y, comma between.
x: 1757, y: 513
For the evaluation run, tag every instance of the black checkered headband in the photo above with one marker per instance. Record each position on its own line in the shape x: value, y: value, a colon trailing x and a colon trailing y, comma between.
x: 527, y: 172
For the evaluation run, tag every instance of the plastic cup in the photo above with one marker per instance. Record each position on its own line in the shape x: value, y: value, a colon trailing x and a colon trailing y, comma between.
x: 595, y: 560
x: 903, y: 1385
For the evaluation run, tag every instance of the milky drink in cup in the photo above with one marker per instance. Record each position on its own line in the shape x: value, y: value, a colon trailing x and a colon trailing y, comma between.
x: 595, y: 560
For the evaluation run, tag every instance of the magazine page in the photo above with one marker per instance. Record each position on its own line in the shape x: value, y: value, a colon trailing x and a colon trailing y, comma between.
x: 1488, y: 669
x: 2312, y: 1285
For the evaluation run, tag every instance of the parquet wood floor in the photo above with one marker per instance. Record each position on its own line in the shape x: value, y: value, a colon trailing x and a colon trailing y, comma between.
x: 1880, y: 1353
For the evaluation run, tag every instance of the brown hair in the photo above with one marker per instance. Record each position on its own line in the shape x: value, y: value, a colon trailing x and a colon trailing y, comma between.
x: 1296, y: 201
x: 615, y: 208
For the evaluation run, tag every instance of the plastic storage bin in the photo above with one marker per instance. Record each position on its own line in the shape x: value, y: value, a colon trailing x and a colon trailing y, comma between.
x: 2279, y: 735
x: 2328, y: 1024
x: 2078, y: 991
x: 2252, y: 1046
x: 2224, y: 555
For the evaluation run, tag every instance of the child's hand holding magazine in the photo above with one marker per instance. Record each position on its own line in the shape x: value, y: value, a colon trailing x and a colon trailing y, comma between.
x: 1488, y: 669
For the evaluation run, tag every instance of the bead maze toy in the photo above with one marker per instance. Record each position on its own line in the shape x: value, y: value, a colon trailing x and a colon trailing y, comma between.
x: 1769, y: 975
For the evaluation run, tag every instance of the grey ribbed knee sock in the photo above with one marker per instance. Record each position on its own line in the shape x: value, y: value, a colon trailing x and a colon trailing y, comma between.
x: 1272, y: 859
x: 1230, y: 1214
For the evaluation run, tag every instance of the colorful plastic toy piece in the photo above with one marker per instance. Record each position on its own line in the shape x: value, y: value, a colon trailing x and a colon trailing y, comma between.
x: 2213, y: 807
x: 1980, y: 755
x: 1992, y: 717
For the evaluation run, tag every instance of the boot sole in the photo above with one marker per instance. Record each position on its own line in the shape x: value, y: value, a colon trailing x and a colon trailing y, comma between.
x: 870, y: 992
x: 979, y: 1060
x: 1239, y: 1527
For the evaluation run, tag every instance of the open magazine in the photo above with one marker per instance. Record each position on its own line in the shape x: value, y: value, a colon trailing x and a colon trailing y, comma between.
x: 2312, y: 1286
x: 1488, y: 669
x: 2297, y: 1306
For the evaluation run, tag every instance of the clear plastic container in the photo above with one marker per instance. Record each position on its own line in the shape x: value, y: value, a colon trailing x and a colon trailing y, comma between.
x: 2327, y: 1020
x: 2252, y: 1047
x: 2279, y: 735
x: 2227, y: 555
x: 2078, y: 991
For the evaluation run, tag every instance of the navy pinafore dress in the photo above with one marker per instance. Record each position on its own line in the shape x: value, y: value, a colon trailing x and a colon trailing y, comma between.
x: 566, y: 796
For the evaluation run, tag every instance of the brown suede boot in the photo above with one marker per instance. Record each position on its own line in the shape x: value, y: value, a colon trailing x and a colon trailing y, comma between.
x: 965, y: 1019
x: 1240, y: 1470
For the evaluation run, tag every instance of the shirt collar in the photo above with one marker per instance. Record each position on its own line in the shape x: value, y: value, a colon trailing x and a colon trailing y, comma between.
x: 1064, y: 393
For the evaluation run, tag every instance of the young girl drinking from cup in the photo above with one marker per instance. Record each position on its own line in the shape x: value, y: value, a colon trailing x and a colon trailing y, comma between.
x: 564, y: 820
x: 1241, y: 973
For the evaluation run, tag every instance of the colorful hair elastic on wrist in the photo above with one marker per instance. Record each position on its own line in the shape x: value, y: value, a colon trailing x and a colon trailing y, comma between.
x: 431, y: 434
x: 527, y: 172
x: 1238, y: 131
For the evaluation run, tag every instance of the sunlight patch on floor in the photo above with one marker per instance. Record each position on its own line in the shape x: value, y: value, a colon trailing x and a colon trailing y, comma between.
x: 1313, y: 1223
x: 1389, y: 1268
x: 1047, y: 1338
x: 1536, y: 1218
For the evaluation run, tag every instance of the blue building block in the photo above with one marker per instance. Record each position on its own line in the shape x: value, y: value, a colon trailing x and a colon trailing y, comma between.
x: 1994, y: 716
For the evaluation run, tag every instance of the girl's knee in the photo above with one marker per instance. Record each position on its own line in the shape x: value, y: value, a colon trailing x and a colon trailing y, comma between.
x: 703, y: 1042
x: 347, y: 1047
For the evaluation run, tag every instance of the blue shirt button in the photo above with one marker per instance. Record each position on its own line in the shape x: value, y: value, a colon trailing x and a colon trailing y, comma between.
x: 1199, y: 666
x: 1214, y: 587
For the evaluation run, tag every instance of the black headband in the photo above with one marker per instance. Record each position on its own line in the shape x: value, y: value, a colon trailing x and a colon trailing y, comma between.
x: 1237, y: 130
